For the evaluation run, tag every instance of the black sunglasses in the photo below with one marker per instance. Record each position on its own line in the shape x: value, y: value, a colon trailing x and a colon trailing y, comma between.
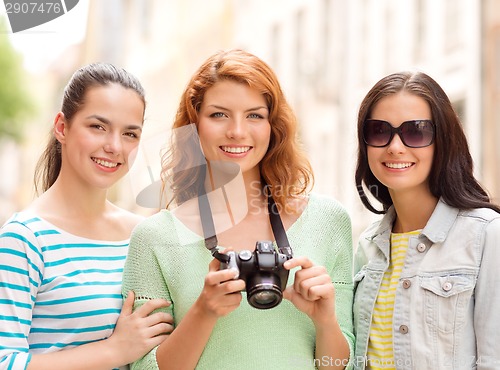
x: 417, y: 133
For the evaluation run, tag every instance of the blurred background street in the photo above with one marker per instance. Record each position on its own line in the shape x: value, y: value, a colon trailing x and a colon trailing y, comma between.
x: 327, y: 54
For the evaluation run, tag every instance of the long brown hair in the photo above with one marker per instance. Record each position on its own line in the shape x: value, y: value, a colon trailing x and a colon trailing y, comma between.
x: 451, y: 175
x: 284, y: 166
x: 94, y: 74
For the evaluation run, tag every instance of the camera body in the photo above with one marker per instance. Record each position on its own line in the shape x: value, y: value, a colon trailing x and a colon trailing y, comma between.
x: 263, y: 273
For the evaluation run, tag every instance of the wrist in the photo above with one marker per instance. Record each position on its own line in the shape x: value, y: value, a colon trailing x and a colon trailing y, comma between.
x: 202, y: 313
x: 328, y: 324
x: 111, y: 353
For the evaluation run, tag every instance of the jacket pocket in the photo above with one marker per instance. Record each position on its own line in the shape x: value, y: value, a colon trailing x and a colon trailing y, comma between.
x: 446, y: 299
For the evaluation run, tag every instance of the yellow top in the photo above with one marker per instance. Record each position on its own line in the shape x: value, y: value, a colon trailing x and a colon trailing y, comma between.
x: 380, y: 347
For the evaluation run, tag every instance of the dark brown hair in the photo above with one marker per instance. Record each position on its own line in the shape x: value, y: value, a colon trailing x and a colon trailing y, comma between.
x: 95, y: 74
x: 451, y: 175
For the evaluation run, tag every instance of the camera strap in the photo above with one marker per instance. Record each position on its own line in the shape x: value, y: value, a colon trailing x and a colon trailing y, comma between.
x: 207, y: 221
x: 277, y: 225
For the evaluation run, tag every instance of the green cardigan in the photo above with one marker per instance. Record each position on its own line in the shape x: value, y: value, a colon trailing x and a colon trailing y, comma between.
x: 159, y: 266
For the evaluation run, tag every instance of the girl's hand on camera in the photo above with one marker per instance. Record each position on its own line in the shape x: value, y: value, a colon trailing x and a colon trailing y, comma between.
x: 221, y: 294
x: 312, y: 291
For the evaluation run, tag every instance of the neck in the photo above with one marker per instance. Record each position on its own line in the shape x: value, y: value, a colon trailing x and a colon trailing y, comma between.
x: 240, y: 189
x: 412, y: 211
x: 69, y: 197
x: 255, y: 193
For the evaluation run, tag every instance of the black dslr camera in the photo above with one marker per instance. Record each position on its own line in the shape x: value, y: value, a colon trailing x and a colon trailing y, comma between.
x: 263, y: 272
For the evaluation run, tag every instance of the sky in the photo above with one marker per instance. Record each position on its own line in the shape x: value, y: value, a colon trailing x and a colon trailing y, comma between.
x: 42, y: 44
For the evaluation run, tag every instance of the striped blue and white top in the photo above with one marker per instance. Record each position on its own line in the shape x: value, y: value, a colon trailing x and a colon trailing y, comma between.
x: 57, y: 290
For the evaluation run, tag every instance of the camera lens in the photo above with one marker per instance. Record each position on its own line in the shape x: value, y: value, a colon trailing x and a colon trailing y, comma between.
x: 265, y: 297
x: 263, y: 291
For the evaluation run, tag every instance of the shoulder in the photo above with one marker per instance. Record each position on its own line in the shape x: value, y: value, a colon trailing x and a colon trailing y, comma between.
x: 488, y: 218
x: 23, y: 222
x: 485, y: 214
x: 492, y: 228
x: 156, y: 220
x: 153, y: 226
x: 152, y: 234
x: 326, y: 216
x: 372, y: 229
x: 321, y: 205
x: 22, y: 232
x: 378, y: 224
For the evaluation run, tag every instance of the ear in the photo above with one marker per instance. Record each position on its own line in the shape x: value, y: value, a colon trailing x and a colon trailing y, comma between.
x: 60, y: 127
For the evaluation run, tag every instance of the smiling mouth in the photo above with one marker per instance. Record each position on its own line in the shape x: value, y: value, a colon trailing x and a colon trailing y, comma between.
x: 236, y: 149
x: 105, y: 163
x: 398, y: 165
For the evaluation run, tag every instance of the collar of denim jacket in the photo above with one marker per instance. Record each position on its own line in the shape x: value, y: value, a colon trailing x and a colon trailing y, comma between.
x: 441, y: 221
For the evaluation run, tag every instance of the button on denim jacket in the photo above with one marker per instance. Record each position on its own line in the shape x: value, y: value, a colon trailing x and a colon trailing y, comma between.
x: 447, y: 304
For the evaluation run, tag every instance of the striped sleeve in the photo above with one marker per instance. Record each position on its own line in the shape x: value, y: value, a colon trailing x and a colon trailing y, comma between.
x: 21, y: 271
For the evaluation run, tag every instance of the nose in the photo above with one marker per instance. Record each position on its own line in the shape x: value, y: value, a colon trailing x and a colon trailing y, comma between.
x: 113, y: 144
x: 237, y: 128
x: 396, y: 145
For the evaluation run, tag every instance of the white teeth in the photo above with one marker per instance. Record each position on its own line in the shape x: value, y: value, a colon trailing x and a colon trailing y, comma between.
x: 235, y: 150
x: 105, y: 163
x: 398, y: 165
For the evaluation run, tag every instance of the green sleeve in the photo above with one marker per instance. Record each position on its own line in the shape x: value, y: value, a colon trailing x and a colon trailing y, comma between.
x: 341, y: 272
x: 143, y: 274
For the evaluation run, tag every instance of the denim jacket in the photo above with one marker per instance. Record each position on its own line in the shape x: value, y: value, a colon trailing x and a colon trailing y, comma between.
x: 447, y: 304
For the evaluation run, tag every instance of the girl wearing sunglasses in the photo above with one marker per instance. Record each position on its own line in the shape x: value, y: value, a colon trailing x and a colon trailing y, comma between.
x: 427, y: 292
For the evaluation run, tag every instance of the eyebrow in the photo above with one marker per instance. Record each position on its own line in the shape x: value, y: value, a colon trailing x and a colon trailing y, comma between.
x: 248, y: 110
x: 108, y: 122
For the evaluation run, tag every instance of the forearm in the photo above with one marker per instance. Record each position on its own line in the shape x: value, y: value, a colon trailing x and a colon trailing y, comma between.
x: 332, y: 349
x: 183, y: 348
x: 92, y: 356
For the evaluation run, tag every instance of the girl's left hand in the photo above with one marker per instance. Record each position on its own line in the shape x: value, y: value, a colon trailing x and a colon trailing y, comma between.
x: 312, y: 291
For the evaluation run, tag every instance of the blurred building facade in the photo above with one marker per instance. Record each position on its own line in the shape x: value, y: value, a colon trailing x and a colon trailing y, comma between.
x: 490, y: 94
x: 327, y: 54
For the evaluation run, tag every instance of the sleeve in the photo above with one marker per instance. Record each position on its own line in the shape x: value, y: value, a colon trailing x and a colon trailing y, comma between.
x: 487, y: 301
x: 21, y: 274
x: 144, y: 276
x: 341, y: 273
